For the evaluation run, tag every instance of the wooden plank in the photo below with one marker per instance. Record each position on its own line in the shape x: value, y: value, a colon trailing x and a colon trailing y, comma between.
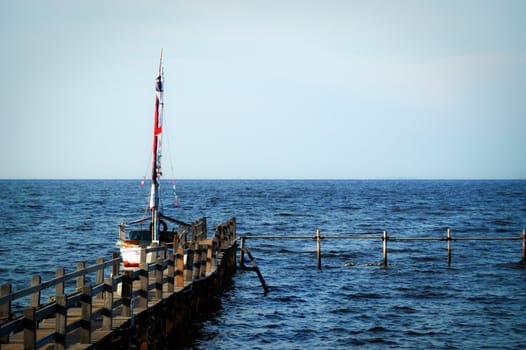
x: 35, y: 297
x: 5, y: 310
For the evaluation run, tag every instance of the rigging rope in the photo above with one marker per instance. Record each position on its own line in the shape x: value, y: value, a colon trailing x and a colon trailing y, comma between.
x: 174, y: 187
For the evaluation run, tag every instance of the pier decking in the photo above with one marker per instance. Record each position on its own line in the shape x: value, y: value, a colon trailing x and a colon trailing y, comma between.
x: 151, y: 303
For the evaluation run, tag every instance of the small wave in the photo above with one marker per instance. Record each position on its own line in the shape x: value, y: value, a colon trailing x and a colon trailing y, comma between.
x: 377, y: 329
x: 365, y: 296
x: 343, y: 310
x: 502, y: 222
x: 404, y: 309
x: 426, y: 258
x: 284, y: 214
x: 414, y: 333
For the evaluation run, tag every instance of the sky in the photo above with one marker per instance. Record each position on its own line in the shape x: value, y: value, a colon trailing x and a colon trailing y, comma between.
x: 289, y: 89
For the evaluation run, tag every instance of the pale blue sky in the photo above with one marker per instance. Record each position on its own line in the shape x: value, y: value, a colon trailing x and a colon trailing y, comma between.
x: 265, y: 89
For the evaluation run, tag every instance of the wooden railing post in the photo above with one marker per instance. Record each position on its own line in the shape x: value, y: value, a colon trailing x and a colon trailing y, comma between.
x: 209, y: 253
x: 194, y: 230
x: 30, y: 328
x: 204, y: 255
x: 107, y: 316
x: 215, y: 245
x: 203, y: 229
x: 61, y: 322
x: 143, y: 255
x: 82, y: 278
x: 221, y: 231
x: 234, y: 229
x: 188, y: 265
x: 5, y: 310
x: 126, y: 294
x: 197, y: 262
x: 163, y: 252
x: 159, y: 278
x: 115, y: 269
x: 170, y: 271
x: 59, y: 288
x: 144, y: 279
x: 99, y: 275
x: 179, y: 276
x: 35, y: 297
x: 86, y: 305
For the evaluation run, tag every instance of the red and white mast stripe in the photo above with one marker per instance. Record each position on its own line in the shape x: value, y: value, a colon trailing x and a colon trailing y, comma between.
x: 155, y: 197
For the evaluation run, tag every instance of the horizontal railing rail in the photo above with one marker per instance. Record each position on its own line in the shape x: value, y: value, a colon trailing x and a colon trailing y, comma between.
x: 385, y: 238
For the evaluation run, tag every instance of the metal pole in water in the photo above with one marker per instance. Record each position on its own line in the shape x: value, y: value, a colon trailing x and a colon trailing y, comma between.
x: 449, y: 247
x: 318, y: 244
x: 242, y: 252
x: 523, y: 246
x: 385, y: 248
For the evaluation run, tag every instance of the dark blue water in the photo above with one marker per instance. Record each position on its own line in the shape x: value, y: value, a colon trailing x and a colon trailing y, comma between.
x: 417, y: 302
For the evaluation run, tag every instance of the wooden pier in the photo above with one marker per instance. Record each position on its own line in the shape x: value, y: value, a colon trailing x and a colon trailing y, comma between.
x: 151, y: 304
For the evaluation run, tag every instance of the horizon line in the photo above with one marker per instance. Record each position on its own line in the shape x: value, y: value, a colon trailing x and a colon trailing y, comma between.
x: 270, y: 179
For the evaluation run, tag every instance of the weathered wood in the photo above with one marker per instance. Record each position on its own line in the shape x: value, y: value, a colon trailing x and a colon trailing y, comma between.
x: 115, y: 266
x: 82, y: 278
x: 170, y: 272
x: 99, y: 275
x: 159, y: 278
x: 35, y: 297
x: 126, y: 294
x: 215, y: 247
x: 188, y: 265
x: 107, y: 316
x: 59, y: 287
x: 142, y: 259
x: 233, y: 228
x: 197, y: 262
x: 199, y: 229
x: 5, y: 310
x: 30, y: 328
x: 220, y: 232
x: 86, y: 307
x: 179, y: 274
x: 162, y: 252
x: 204, y: 255
x: 61, y: 322
x: 142, y: 300
x: 209, y: 253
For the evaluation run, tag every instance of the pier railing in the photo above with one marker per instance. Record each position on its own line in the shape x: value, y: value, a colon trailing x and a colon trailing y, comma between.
x: 93, y: 310
x: 384, y: 237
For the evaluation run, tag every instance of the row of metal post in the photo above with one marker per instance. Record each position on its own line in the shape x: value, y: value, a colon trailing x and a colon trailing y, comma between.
x: 448, y: 238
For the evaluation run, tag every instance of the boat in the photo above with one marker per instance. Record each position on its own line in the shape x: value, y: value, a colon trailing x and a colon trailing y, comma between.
x: 154, y: 228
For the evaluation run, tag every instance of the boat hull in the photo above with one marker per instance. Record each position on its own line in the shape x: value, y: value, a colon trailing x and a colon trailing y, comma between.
x: 131, y: 257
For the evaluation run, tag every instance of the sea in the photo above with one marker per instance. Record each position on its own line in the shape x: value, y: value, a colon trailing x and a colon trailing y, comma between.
x: 353, y: 301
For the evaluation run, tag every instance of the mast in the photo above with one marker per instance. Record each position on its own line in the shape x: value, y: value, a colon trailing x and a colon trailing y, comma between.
x: 155, y: 198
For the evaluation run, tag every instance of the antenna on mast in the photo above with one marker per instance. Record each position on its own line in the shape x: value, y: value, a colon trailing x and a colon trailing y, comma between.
x: 161, y: 61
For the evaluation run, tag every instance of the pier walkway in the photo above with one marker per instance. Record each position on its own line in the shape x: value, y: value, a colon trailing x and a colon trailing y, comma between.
x: 158, y: 299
